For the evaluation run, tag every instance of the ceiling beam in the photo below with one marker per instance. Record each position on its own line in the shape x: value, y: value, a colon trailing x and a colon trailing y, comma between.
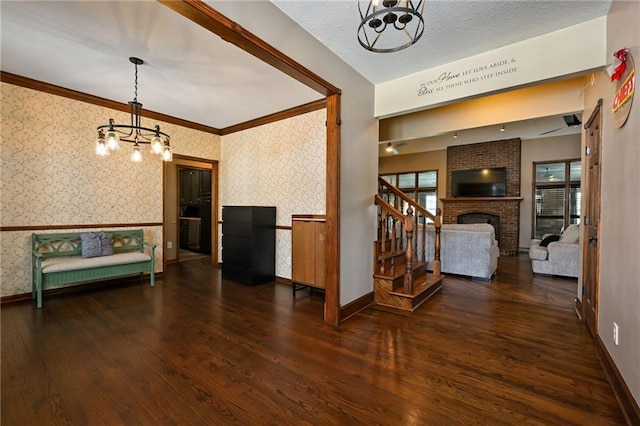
x: 206, y: 17
x: 230, y: 31
x: 276, y: 116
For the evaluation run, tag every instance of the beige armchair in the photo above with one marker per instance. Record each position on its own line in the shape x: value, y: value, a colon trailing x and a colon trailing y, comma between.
x: 559, y: 257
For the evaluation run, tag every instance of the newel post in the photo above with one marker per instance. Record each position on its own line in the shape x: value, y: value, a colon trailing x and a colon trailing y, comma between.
x: 436, y: 251
x: 383, y: 238
x: 408, y: 275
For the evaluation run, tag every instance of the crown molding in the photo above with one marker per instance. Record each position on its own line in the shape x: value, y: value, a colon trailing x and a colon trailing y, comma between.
x: 52, y: 89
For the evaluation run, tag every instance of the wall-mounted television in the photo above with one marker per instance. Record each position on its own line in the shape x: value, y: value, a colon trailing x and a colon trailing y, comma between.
x: 489, y: 182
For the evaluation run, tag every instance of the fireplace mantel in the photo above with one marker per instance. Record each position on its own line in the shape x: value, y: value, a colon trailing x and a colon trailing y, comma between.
x: 477, y: 199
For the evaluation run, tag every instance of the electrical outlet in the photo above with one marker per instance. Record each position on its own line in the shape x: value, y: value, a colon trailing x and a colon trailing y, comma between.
x: 616, y: 333
x: 169, y: 244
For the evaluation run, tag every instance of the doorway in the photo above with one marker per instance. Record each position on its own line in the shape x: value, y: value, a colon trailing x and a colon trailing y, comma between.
x: 591, y: 248
x: 190, y: 202
x: 194, y: 214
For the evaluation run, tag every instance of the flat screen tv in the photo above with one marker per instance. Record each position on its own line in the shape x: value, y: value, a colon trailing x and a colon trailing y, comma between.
x: 490, y: 182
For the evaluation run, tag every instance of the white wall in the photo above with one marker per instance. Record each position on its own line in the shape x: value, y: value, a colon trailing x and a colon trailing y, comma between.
x: 543, y: 100
x: 359, y: 135
x: 619, y: 294
x: 576, y: 49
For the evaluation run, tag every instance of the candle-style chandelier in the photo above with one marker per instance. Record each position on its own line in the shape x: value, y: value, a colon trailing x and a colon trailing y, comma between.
x: 399, y: 21
x: 110, y: 135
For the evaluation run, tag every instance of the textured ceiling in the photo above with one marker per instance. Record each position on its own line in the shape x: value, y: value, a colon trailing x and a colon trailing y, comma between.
x: 453, y: 30
x: 192, y: 74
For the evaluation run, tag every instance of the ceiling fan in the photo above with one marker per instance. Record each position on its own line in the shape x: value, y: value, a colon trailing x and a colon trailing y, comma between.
x: 393, y: 149
x: 571, y: 121
x: 548, y: 176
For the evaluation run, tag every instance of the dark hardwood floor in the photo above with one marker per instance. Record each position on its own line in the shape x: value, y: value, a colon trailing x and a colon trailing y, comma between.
x: 196, y: 350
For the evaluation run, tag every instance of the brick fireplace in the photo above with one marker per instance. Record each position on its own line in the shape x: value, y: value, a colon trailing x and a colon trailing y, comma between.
x: 504, y: 153
x: 506, y: 208
x: 491, y: 219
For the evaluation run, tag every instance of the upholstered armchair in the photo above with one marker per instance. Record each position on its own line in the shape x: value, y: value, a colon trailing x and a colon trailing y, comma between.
x: 557, y: 256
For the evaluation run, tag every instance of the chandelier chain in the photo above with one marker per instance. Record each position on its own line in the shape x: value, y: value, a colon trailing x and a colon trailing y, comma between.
x: 135, y: 97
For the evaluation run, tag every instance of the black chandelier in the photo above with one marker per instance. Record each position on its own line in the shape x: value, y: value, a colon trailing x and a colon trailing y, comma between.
x: 134, y: 132
x: 405, y: 16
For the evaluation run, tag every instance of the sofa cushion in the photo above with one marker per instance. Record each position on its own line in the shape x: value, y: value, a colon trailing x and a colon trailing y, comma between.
x: 570, y: 235
x: 538, y: 253
x: 70, y: 263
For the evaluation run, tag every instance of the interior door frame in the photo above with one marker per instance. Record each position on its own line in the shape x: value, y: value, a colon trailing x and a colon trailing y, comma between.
x: 593, y: 128
x: 214, y: 202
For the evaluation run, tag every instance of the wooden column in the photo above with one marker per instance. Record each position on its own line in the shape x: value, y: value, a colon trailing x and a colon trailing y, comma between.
x: 332, y: 290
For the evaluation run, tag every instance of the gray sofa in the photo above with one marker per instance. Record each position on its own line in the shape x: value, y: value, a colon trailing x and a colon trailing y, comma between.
x: 558, y: 257
x: 466, y: 249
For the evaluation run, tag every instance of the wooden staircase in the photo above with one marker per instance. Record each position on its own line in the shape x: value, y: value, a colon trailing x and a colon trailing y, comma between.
x: 401, y: 280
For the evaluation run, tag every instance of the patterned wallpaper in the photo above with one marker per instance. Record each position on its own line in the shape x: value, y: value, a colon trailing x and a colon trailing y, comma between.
x: 50, y: 175
x: 280, y: 164
x: 15, y: 247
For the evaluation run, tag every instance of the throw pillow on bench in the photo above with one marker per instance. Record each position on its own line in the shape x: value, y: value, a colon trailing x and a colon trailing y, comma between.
x: 94, y: 244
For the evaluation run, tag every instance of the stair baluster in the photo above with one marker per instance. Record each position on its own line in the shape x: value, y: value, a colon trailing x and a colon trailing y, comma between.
x: 383, y: 240
x: 423, y: 247
x: 408, y: 275
x: 415, y: 226
x: 436, y: 252
x: 393, y: 246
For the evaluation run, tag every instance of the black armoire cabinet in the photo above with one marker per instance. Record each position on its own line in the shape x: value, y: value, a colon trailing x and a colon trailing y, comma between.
x: 249, y: 244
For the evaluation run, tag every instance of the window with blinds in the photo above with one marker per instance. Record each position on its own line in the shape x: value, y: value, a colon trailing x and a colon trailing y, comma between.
x: 557, y: 196
x: 421, y: 186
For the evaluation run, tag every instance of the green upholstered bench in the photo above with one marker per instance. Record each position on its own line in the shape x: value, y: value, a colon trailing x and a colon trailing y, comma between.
x: 57, y: 260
